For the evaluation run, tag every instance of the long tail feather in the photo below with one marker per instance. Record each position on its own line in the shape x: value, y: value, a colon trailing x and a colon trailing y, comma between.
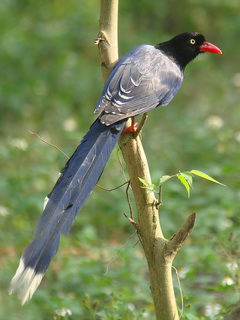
x: 72, y: 189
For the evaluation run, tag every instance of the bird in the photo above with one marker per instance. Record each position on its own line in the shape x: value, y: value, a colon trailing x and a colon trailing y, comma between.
x: 146, y: 77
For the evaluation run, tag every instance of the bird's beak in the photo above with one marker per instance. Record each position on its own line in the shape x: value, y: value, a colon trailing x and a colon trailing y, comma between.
x: 209, y: 47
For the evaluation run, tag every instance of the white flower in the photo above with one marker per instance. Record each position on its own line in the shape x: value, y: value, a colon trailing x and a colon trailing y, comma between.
x: 145, y: 314
x: 20, y: 144
x: 183, y: 272
x: 70, y: 125
x: 131, y: 307
x: 232, y: 266
x: 63, y: 312
x: 4, y: 211
x: 237, y: 136
x: 227, y: 281
x: 211, y: 310
x: 214, y: 122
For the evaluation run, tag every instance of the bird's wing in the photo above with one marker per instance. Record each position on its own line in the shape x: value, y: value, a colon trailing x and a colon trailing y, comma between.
x: 142, y: 80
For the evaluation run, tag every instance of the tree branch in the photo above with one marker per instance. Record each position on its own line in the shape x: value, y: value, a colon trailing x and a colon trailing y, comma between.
x: 159, y: 251
x: 178, y: 238
x: 108, y: 36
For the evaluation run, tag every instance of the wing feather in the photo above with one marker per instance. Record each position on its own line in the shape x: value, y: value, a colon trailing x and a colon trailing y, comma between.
x: 142, y: 80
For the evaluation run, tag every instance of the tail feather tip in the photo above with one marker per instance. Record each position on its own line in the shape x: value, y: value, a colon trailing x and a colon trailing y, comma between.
x: 25, y: 282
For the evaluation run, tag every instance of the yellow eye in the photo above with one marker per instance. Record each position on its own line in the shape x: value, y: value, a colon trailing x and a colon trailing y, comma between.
x: 192, y: 41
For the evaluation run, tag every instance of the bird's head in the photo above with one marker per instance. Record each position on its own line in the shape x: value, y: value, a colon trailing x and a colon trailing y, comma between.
x: 186, y: 46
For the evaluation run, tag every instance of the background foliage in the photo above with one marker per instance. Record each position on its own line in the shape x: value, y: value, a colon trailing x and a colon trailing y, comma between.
x: 50, y: 81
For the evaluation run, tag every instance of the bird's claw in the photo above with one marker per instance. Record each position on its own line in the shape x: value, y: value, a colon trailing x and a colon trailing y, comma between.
x: 132, y: 128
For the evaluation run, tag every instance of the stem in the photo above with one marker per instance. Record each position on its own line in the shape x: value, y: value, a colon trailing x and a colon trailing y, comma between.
x: 159, y: 251
x: 149, y: 230
x: 108, y: 36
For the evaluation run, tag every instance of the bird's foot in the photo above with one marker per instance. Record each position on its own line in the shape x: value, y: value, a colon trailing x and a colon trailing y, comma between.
x: 133, y: 128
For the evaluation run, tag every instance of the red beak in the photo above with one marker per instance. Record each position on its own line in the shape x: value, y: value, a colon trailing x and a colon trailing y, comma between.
x: 209, y: 47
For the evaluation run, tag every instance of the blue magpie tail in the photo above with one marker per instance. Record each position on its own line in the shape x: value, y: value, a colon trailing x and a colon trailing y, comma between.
x: 62, y: 205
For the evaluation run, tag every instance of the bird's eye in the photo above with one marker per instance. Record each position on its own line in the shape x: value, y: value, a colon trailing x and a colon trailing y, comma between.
x: 192, y: 41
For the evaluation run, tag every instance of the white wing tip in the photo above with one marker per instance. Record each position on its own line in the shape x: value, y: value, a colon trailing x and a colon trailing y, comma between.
x: 45, y: 202
x: 25, y: 282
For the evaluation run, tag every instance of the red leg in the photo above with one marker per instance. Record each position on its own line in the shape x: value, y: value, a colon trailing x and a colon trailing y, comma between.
x: 132, y: 128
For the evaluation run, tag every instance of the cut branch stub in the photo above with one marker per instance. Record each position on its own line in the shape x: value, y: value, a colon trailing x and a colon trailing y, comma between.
x: 175, y: 243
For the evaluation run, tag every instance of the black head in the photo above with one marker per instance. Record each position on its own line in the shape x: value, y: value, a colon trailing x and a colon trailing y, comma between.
x: 186, y: 46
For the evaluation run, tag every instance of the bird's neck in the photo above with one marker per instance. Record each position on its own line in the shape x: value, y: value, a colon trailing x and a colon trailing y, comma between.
x: 172, y: 53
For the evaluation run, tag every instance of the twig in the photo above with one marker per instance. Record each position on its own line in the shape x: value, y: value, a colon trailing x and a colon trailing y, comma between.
x: 129, y: 201
x: 49, y: 143
x: 180, y: 289
x: 121, y: 185
x: 141, y: 124
x: 117, y: 254
x: 178, y: 238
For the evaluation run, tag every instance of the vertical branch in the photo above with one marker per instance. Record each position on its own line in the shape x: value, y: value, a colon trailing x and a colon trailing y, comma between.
x: 149, y: 230
x: 159, y: 251
x: 108, y: 36
x: 137, y: 165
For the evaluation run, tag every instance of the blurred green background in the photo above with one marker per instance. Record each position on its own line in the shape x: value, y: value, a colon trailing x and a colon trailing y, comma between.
x: 50, y: 81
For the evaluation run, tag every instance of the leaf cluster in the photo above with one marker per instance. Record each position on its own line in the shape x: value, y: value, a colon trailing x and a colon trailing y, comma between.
x: 185, y: 177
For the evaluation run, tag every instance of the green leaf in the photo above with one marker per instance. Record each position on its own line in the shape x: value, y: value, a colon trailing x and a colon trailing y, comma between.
x: 206, y: 176
x: 147, y: 185
x: 191, y: 317
x: 188, y: 177
x: 164, y: 179
x: 144, y: 182
x: 185, y: 183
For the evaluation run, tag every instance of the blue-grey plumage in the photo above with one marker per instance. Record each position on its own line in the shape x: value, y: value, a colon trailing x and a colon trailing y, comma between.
x: 144, y: 78
x: 73, y: 187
